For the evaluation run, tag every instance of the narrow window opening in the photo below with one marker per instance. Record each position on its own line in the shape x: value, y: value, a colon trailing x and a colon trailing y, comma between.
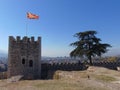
x: 30, y: 63
x: 23, y: 61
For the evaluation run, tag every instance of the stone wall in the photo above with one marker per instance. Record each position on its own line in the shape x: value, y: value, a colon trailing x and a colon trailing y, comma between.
x: 106, y: 64
x: 24, y: 57
x: 48, y: 70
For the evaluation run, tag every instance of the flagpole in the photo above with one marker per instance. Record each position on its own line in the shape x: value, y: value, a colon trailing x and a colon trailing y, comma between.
x: 26, y: 28
x: 26, y: 52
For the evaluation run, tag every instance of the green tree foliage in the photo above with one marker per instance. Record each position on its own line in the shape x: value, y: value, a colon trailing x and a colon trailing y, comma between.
x: 88, y: 45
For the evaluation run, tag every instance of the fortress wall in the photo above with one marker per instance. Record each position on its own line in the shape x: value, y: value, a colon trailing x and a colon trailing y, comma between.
x: 48, y: 70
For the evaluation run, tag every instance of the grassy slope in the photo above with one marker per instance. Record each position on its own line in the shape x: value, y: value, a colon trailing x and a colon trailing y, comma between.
x: 50, y: 85
x: 100, y: 79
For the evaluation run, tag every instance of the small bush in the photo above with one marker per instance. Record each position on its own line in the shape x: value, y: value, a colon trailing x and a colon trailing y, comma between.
x: 3, y: 75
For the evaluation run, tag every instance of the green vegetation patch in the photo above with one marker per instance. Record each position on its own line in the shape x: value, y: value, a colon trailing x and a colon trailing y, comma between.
x: 105, y: 78
x: 57, y: 85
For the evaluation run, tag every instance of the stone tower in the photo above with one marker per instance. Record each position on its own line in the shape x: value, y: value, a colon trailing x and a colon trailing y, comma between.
x: 24, y: 57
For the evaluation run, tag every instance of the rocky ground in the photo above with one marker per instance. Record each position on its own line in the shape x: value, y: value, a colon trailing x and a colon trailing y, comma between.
x: 95, y: 78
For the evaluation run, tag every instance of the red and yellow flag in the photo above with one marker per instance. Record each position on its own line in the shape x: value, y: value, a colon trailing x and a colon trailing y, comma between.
x: 32, y: 16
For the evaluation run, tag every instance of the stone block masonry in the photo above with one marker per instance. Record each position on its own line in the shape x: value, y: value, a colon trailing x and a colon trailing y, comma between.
x: 24, y: 57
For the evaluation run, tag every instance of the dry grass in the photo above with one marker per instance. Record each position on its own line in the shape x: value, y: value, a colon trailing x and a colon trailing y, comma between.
x: 49, y: 85
x: 100, y: 79
x: 105, y: 78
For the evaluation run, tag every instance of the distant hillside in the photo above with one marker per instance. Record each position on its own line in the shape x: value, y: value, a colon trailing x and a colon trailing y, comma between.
x: 2, y: 54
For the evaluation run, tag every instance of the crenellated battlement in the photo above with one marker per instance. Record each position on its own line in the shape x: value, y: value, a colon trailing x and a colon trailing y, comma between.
x: 24, y: 57
x: 24, y: 39
x: 48, y: 69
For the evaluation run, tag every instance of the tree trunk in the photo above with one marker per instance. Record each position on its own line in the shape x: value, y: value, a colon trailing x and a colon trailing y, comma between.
x: 90, y: 59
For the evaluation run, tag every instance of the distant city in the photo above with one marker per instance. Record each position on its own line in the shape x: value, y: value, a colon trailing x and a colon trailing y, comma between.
x: 56, y: 60
x: 65, y: 59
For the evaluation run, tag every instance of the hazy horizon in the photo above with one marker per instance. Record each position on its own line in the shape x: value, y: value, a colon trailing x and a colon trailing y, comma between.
x: 110, y: 53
